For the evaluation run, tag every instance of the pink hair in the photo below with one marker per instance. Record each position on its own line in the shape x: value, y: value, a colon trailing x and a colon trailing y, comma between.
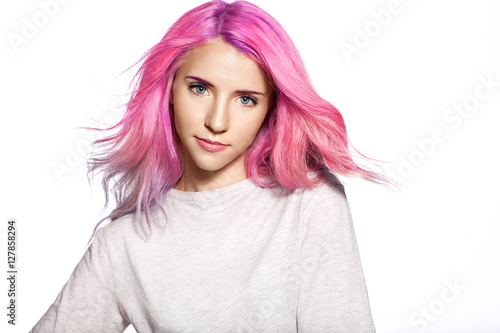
x: 302, y: 132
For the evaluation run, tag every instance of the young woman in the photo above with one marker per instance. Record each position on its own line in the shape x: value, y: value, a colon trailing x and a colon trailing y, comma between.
x: 229, y: 217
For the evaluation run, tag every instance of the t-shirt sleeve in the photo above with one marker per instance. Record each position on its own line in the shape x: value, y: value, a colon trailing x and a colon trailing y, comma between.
x: 87, y: 302
x: 332, y: 291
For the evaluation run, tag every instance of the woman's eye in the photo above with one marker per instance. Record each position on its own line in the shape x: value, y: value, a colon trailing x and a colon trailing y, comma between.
x: 246, y: 100
x: 198, y: 88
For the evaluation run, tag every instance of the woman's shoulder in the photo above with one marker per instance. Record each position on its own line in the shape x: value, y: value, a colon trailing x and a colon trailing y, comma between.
x: 128, y: 229
x: 330, y: 188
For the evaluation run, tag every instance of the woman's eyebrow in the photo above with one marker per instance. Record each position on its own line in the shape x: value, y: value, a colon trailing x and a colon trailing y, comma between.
x: 249, y: 92
x: 205, y: 82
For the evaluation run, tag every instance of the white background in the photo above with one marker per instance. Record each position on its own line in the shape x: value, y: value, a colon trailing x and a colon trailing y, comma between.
x: 440, y: 228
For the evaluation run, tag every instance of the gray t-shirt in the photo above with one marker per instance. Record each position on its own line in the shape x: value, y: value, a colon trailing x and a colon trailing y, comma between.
x: 236, y: 259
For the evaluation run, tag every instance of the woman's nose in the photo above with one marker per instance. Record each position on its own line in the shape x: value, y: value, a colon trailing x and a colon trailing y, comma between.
x: 218, y: 118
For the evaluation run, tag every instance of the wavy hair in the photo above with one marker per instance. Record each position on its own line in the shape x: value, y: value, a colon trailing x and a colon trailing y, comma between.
x: 302, y: 132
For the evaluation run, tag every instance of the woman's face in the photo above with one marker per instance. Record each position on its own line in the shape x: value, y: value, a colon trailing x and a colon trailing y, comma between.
x: 220, y: 99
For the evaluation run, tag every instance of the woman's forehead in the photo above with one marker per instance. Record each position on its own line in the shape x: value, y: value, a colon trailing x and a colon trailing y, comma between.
x: 222, y: 63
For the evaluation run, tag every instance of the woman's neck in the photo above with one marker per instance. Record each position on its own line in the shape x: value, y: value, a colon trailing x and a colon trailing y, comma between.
x: 195, y: 179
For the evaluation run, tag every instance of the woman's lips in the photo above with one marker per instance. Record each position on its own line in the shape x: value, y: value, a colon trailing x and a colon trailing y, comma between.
x: 211, y: 146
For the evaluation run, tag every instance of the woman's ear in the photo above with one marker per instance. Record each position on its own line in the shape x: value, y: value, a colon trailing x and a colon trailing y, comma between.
x: 171, y: 97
